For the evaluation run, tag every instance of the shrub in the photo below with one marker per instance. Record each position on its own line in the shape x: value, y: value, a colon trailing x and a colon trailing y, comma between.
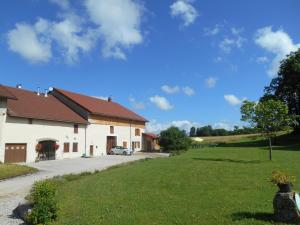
x: 174, y: 139
x: 42, y: 197
x: 279, y: 177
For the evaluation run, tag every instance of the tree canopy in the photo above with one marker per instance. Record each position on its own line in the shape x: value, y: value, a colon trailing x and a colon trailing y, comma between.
x: 174, y: 139
x: 286, y: 87
x: 268, y: 116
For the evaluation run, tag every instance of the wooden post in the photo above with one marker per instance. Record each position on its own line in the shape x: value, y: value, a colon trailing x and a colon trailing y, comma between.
x: 270, y: 148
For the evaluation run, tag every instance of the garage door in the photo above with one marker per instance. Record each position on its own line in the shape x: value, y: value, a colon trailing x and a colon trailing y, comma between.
x: 15, y: 153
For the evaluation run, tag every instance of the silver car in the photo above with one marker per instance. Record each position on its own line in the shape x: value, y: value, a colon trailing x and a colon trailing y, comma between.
x: 119, y: 150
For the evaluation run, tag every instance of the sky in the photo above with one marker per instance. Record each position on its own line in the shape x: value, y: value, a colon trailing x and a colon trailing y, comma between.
x: 175, y: 62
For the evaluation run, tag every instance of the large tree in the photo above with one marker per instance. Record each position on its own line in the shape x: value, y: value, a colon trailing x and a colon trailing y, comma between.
x: 269, y: 117
x: 174, y: 139
x: 286, y: 87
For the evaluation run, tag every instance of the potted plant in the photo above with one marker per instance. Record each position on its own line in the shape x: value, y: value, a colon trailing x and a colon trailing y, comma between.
x: 283, y: 181
x: 56, y: 146
x: 38, y: 147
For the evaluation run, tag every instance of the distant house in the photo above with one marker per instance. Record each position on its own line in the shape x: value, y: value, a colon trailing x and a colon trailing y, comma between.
x: 150, y: 142
x: 61, y: 124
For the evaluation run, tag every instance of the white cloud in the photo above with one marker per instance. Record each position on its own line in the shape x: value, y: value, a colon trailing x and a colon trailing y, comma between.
x: 188, y: 91
x: 211, y: 82
x: 155, y: 127
x: 119, y: 24
x: 170, y: 90
x: 262, y: 59
x: 184, y: 10
x: 236, y: 31
x: 279, y: 43
x: 233, y: 100
x: 135, y: 104
x: 228, y: 43
x: 25, y: 40
x: 64, y: 4
x: 224, y: 125
x: 161, y: 102
x: 212, y: 31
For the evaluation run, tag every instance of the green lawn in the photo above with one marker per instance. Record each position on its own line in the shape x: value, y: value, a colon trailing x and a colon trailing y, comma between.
x: 14, y: 170
x: 223, y: 185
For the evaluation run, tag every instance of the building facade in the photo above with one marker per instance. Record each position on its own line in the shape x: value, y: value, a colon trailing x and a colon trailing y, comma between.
x: 62, y: 124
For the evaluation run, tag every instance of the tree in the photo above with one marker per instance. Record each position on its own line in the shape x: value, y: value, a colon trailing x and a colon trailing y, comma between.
x: 174, y: 139
x: 193, y: 132
x: 269, y: 117
x: 286, y: 87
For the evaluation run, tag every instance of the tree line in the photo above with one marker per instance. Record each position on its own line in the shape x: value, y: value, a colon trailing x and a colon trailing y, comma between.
x: 207, y: 131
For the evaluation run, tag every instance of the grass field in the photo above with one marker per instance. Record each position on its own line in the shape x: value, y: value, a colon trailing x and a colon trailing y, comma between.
x: 222, y: 185
x: 13, y: 170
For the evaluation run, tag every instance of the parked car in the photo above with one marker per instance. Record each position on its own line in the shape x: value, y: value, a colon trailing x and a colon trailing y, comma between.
x: 119, y: 150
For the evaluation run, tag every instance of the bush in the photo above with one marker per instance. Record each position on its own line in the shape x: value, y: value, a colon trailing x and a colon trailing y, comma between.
x: 174, y: 139
x: 42, y: 197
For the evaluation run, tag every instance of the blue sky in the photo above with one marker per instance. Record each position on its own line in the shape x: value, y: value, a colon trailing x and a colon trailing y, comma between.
x: 180, y: 62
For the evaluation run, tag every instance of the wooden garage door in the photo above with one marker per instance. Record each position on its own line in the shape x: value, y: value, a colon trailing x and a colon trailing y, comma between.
x: 15, y: 153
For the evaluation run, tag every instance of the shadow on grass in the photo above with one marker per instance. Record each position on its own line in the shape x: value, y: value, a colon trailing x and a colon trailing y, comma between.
x: 229, y: 160
x: 268, y: 217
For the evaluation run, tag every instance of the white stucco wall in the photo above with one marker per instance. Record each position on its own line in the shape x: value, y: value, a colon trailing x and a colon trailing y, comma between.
x: 2, y: 122
x: 19, y: 131
x: 97, y: 136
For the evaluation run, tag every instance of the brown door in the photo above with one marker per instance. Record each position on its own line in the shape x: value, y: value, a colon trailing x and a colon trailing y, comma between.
x: 15, y: 153
x: 110, y: 143
x: 91, y: 150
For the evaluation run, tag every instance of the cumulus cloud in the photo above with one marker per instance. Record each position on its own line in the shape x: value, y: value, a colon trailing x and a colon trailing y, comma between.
x: 161, y: 102
x: 25, y: 40
x: 188, y: 91
x: 233, y: 100
x: 119, y: 22
x: 155, y: 127
x: 262, y: 59
x: 169, y: 89
x: 64, y: 4
x: 212, y: 31
x: 115, y: 23
x: 228, y: 43
x: 211, y: 82
x: 136, y: 104
x: 278, y: 43
x: 185, y: 11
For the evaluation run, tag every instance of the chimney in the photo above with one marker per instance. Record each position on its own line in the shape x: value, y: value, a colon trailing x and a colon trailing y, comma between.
x: 109, y: 99
x: 38, y: 91
x: 46, y: 93
x: 19, y: 86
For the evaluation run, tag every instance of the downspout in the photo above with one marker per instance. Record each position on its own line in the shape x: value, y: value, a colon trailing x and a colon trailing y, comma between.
x: 85, y: 140
x: 130, y: 136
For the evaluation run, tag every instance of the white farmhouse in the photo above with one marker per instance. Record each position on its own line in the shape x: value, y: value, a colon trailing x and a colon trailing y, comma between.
x: 62, y: 124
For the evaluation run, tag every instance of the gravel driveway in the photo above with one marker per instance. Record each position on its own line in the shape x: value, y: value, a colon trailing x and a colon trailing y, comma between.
x: 13, y: 191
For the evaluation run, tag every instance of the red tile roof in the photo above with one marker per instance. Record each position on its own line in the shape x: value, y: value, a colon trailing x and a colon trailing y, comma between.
x: 4, y: 93
x: 29, y: 105
x: 151, y: 135
x: 102, y: 107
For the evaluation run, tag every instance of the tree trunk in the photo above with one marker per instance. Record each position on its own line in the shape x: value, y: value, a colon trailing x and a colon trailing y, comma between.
x: 270, y: 148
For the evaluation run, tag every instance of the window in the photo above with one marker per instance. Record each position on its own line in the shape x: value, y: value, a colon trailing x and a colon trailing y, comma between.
x: 125, y: 144
x: 112, y: 129
x: 75, y: 147
x: 138, y: 144
x: 66, y: 147
x: 75, y: 128
x: 137, y: 132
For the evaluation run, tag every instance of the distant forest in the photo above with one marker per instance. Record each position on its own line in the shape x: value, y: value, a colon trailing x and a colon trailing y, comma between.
x: 210, y: 131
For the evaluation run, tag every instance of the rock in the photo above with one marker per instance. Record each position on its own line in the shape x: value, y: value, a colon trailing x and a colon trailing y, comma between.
x: 22, y: 210
x: 285, y: 208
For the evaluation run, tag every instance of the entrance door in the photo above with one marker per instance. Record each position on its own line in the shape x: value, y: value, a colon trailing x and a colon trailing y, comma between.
x: 15, y: 153
x: 48, y: 150
x: 91, y: 150
x: 110, y: 143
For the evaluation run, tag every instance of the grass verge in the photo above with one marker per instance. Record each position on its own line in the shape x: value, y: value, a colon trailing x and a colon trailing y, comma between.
x: 13, y: 170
